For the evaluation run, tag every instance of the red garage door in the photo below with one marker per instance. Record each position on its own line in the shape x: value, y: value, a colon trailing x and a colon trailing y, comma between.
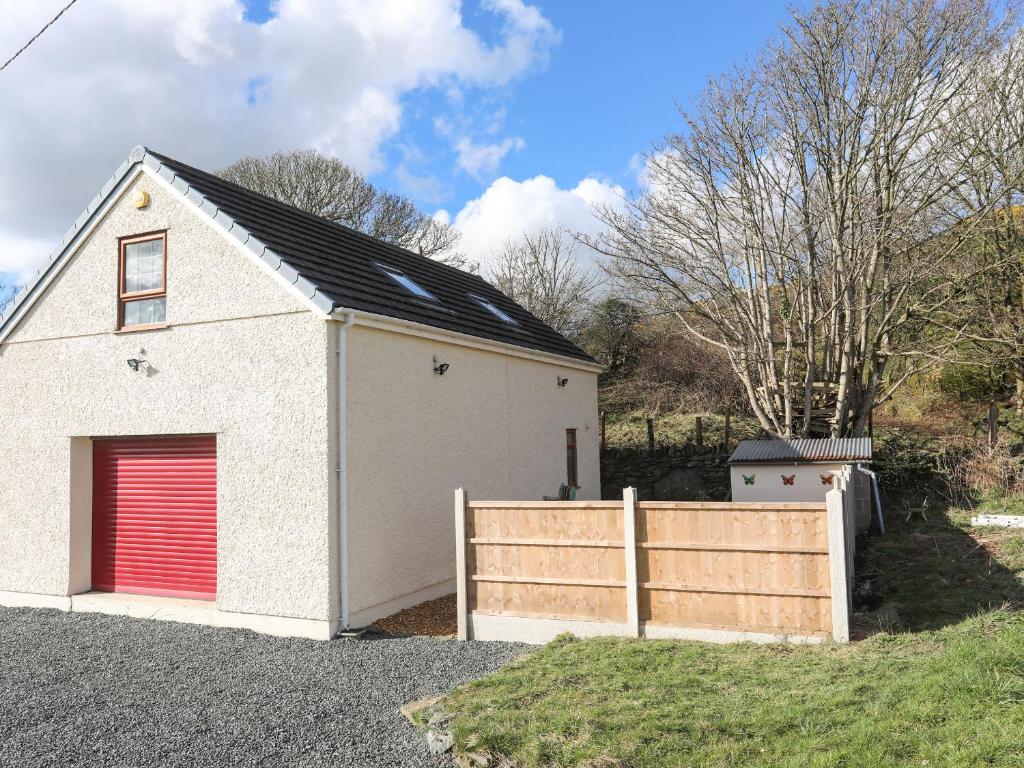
x: 154, y: 516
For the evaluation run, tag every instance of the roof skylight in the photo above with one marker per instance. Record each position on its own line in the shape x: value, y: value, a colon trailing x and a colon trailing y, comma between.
x: 496, y: 311
x: 408, y: 283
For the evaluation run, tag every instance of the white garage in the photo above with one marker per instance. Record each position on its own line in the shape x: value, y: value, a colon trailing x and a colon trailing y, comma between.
x: 216, y: 404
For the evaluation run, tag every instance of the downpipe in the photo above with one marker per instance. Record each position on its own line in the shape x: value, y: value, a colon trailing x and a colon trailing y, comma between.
x: 878, y: 497
x: 343, y: 475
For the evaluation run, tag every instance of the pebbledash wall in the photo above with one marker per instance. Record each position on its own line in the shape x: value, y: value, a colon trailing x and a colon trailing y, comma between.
x: 494, y: 423
x: 242, y: 359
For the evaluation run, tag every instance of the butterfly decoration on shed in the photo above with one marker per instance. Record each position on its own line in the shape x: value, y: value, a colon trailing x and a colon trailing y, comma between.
x: 827, y: 479
x: 788, y: 479
x: 748, y: 479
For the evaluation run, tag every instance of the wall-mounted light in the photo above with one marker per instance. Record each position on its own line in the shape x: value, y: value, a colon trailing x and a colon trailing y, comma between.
x: 440, y: 368
x: 561, y: 381
x: 136, y: 364
x: 140, y: 199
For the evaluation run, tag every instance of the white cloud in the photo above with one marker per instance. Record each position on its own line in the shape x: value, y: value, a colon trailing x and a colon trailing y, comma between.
x: 21, y: 256
x: 192, y: 79
x: 483, y: 160
x: 509, y: 208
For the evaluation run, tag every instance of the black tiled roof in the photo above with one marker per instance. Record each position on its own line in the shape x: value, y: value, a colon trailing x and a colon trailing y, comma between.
x: 343, y: 265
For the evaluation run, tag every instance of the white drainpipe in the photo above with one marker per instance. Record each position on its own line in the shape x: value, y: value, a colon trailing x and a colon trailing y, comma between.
x: 342, y: 474
x: 878, y: 498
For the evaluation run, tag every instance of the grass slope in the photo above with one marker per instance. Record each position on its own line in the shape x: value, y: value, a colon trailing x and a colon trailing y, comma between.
x: 944, y: 686
x: 629, y: 430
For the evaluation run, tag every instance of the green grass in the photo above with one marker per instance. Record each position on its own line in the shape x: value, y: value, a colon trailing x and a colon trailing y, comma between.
x: 938, y: 681
x: 629, y: 430
x: 1002, y: 504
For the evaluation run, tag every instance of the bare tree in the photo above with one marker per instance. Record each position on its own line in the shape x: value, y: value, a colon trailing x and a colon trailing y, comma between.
x: 542, y: 274
x: 990, y: 141
x: 327, y: 187
x: 807, y: 220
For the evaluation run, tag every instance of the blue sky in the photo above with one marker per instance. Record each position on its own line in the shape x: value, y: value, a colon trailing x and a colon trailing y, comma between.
x: 608, y: 90
x: 501, y: 115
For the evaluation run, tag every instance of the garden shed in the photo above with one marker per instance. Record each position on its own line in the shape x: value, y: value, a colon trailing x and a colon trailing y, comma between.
x: 800, y: 470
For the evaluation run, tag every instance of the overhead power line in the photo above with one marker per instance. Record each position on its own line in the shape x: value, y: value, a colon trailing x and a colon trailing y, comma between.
x: 37, y: 35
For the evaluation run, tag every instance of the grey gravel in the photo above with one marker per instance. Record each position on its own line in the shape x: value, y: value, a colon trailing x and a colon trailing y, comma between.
x: 91, y: 690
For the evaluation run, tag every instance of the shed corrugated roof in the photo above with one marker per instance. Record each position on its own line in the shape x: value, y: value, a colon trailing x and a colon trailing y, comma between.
x: 802, y: 451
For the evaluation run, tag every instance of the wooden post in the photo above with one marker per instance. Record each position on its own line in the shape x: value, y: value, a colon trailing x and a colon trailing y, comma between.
x: 837, y: 563
x: 650, y: 436
x: 698, y: 428
x: 728, y: 413
x: 461, y: 577
x: 632, y: 588
x: 604, y: 429
x: 993, y: 425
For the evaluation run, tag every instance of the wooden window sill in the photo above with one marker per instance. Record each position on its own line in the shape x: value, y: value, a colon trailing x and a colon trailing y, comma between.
x: 137, y: 328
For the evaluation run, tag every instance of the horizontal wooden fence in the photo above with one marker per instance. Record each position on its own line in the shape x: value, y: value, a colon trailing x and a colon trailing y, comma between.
x: 717, y: 571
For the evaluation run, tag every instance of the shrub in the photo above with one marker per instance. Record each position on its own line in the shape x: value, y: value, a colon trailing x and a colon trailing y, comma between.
x: 994, y: 472
x: 974, y: 383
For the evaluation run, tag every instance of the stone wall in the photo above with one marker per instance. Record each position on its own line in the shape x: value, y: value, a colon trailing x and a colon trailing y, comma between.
x: 686, y: 472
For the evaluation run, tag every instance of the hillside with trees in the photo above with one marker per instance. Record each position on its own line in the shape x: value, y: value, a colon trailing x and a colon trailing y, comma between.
x: 832, y: 240
x: 832, y: 217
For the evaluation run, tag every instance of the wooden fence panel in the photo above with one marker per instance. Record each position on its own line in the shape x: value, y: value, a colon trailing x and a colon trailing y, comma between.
x: 551, y: 521
x: 735, y: 567
x: 753, y: 567
x: 548, y: 601
x: 547, y: 559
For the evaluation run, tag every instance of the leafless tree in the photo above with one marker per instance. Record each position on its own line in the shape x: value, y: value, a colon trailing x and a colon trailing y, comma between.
x: 806, y: 220
x: 327, y: 187
x: 990, y: 141
x: 541, y: 273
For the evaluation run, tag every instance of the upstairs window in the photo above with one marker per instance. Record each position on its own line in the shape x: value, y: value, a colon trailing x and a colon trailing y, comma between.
x: 494, y: 310
x: 142, y: 281
x: 408, y: 283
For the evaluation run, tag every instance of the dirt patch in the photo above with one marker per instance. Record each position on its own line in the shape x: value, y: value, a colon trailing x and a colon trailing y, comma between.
x: 434, y: 618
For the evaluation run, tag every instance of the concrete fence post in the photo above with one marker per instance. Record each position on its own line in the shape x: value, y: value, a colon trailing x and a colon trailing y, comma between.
x: 629, y: 545
x: 850, y: 521
x: 837, y: 562
x: 461, y: 575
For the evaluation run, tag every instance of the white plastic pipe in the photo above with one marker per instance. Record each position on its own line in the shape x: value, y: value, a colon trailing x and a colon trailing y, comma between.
x: 878, y: 498
x: 342, y: 474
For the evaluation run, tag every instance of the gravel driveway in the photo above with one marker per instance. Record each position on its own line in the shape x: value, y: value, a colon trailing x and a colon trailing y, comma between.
x: 91, y: 690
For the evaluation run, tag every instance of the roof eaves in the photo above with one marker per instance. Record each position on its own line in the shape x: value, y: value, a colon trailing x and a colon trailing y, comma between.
x: 307, y: 289
x: 139, y: 155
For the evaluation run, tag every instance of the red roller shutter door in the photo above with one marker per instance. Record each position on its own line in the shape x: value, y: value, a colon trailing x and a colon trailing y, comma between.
x: 154, y: 516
